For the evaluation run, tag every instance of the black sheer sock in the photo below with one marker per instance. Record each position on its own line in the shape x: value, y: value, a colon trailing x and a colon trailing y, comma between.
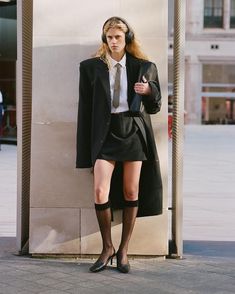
x: 103, y: 214
x: 129, y: 216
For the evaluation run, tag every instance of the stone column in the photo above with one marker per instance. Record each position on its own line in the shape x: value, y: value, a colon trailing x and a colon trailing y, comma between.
x: 194, y: 16
x: 226, y: 14
x: 193, y: 82
x: 62, y: 216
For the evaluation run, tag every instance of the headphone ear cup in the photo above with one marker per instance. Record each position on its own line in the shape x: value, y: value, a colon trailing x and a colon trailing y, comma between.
x: 129, y: 37
x: 103, y: 37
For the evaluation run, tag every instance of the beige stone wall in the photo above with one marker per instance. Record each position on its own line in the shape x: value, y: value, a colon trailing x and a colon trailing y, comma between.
x: 62, y: 217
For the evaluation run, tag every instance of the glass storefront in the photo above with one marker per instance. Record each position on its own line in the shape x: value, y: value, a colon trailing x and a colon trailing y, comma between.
x: 218, y: 94
x: 8, y: 55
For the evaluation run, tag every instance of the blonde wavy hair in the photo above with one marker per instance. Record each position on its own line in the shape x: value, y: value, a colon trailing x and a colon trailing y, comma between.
x: 133, y: 47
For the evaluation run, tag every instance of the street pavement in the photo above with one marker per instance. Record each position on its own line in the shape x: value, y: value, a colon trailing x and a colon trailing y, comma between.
x: 208, y: 264
x: 8, y: 164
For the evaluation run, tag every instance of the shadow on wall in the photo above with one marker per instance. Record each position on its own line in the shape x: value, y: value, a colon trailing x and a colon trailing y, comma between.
x: 56, y: 192
x: 54, y: 118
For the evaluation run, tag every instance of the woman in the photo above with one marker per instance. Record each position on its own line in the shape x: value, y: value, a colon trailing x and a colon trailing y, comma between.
x: 118, y: 90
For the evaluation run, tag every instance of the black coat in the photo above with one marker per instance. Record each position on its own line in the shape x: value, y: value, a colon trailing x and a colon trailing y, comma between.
x: 94, y: 115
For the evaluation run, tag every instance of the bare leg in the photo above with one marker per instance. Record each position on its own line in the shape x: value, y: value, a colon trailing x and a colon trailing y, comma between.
x: 103, y: 171
x: 131, y: 189
x: 102, y: 177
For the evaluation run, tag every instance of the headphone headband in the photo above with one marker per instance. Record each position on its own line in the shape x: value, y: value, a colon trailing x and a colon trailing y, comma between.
x: 116, y: 18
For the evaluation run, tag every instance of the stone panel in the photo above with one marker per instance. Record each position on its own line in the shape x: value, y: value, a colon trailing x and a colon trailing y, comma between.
x: 54, y: 230
x: 55, y: 182
x: 148, y: 19
x: 73, y: 18
x: 148, y: 237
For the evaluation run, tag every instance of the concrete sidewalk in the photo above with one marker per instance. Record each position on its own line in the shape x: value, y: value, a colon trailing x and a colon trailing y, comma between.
x: 208, y: 265
x: 8, y: 180
x: 197, y: 273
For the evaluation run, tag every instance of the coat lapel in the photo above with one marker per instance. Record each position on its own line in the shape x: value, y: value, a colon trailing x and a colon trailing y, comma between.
x: 103, y: 77
x: 132, y: 69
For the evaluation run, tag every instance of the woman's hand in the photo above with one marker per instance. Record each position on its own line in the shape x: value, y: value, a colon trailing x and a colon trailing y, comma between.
x: 142, y: 88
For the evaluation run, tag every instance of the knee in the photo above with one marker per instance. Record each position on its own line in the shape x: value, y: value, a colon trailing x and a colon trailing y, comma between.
x: 131, y: 193
x: 101, y: 194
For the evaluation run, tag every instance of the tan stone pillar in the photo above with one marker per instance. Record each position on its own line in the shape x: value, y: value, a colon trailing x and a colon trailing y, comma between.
x: 62, y: 216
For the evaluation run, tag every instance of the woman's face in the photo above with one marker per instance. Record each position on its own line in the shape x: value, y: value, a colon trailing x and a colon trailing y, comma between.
x: 116, y: 41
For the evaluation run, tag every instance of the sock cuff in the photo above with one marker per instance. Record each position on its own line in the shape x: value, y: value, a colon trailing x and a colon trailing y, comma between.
x: 134, y: 203
x: 102, y: 206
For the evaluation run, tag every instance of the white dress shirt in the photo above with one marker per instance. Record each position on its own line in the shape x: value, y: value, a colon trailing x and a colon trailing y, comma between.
x: 123, y: 105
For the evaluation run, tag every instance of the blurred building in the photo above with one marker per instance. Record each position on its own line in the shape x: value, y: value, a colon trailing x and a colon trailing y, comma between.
x: 209, y: 61
x: 8, y: 67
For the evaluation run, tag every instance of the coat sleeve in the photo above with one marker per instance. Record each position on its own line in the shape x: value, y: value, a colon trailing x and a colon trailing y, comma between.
x: 83, y: 159
x: 152, y: 103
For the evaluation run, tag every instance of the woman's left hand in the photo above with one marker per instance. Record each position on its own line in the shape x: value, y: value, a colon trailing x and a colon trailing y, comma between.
x: 142, y: 88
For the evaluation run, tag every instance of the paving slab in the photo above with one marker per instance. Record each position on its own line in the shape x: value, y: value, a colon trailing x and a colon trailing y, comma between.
x: 197, y: 272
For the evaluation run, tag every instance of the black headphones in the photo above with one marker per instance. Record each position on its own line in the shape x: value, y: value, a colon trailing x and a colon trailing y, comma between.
x: 129, y: 35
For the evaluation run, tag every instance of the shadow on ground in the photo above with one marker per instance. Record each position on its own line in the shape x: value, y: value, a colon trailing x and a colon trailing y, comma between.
x: 8, y: 246
x: 210, y: 248
x: 191, y: 247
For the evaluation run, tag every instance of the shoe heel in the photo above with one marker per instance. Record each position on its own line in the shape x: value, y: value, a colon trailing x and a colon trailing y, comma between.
x: 111, y: 258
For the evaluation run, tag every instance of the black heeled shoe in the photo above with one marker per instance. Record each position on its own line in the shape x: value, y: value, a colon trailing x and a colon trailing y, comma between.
x: 123, y: 268
x: 100, y: 265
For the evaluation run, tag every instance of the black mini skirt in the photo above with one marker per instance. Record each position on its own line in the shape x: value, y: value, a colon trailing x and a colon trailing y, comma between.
x: 124, y: 141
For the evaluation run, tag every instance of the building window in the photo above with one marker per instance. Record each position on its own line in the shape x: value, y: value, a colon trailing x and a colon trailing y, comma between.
x: 213, y: 13
x: 232, y: 14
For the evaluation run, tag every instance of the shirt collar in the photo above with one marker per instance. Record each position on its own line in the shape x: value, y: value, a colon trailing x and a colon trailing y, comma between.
x: 113, y: 62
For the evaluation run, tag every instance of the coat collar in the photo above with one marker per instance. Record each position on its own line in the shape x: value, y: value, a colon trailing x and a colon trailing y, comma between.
x: 113, y: 62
